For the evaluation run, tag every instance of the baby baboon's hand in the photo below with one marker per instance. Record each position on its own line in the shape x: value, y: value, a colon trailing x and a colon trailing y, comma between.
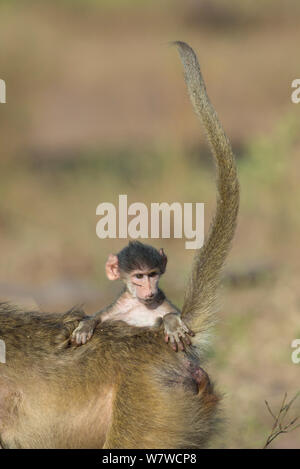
x: 176, y: 332
x: 84, y: 331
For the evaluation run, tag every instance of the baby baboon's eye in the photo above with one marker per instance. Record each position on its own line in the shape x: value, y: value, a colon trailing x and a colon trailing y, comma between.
x: 139, y: 276
x: 153, y: 274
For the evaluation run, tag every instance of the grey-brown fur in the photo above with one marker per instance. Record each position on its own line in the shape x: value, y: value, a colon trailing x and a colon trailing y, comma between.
x: 45, y: 390
x: 200, y: 293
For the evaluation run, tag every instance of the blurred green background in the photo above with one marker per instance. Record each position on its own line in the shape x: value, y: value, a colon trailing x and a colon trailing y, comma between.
x: 97, y: 107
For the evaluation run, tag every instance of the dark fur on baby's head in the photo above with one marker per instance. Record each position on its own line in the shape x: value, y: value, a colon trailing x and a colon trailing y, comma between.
x: 138, y: 256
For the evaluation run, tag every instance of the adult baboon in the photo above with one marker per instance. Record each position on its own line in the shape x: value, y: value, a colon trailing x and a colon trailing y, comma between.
x: 124, y: 388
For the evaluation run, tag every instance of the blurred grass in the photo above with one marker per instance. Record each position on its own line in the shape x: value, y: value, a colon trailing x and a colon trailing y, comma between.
x: 97, y: 107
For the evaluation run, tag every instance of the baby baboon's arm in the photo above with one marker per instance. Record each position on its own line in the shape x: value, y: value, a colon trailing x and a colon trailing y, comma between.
x: 83, y: 333
x: 176, y: 332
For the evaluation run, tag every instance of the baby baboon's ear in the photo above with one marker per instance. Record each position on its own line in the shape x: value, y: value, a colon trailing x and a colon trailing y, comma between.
x: 164, y: 260
x: 112, y: 267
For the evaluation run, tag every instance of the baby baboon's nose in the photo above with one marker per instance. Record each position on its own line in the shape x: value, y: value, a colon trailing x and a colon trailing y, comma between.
x: 150, y: 295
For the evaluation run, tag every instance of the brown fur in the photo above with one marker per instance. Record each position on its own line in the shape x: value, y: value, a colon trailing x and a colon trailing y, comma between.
x: 125, y: 388
x: 198, y: 307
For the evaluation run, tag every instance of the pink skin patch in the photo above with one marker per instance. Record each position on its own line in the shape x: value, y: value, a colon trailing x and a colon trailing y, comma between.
x: 200, y: 376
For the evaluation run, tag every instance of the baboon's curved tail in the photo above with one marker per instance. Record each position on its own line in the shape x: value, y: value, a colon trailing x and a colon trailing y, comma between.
x: 208, y: 261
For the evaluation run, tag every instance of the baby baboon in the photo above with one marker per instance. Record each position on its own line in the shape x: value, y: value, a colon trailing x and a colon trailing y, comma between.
x: 123, y: 389
x: 141, y: 303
